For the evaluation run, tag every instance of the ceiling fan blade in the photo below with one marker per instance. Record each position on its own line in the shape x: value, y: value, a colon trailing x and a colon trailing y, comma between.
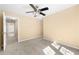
x: 43, y: 9
x: 30, y: 12
x: 33, y: 7
x: 42, y: 14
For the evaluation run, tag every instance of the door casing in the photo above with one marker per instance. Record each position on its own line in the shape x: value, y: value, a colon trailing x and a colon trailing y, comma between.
x: 4, y: 28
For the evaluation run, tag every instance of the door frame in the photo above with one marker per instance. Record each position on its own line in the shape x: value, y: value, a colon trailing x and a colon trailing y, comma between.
x: 4, y: 28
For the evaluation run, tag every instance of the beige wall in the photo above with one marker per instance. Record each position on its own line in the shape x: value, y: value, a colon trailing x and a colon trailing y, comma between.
x: 28, y: 27
x: 63, y: 27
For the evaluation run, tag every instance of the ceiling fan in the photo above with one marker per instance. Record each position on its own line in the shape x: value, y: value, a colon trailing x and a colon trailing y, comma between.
x: 36, y: 10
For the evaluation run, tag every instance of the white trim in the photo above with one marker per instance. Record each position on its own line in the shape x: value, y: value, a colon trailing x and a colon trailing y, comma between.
x: 11, y: 17
x: 4, y: 32
x: 21, y: 40
x: 18, y: 29
x: 63, y: 43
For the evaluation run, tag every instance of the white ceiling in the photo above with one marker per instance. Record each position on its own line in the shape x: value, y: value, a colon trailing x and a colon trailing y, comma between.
x: 21, y: 9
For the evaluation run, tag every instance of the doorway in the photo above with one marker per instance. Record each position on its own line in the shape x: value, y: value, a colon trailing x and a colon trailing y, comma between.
x: 10, y: 31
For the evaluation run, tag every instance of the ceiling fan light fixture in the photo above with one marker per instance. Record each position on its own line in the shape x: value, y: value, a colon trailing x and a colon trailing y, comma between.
x: 37, y: 11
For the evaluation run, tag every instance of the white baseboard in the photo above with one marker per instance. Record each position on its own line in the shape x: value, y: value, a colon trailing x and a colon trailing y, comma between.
x: 63, y: 43
x: 21, y: 40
